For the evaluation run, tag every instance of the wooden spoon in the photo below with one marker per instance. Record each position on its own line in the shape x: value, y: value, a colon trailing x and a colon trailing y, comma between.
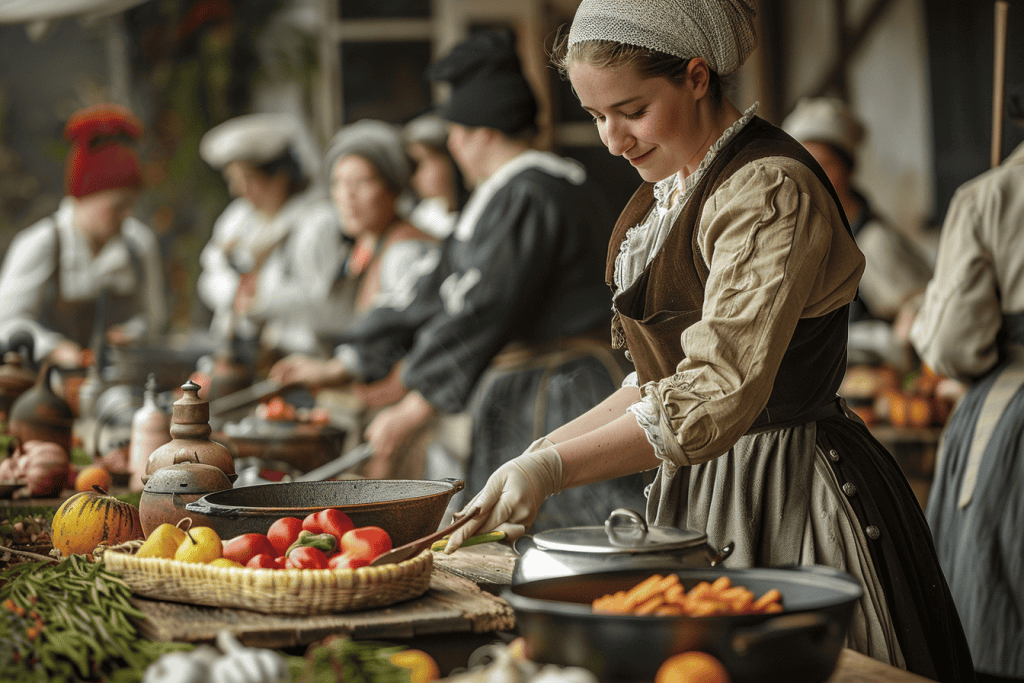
x: 404, y: 552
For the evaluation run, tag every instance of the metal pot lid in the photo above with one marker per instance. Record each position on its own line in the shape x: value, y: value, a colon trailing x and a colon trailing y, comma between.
x: 625, y: 531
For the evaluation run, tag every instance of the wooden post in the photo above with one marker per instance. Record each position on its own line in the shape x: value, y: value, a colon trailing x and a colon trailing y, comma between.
x: 999, y: 81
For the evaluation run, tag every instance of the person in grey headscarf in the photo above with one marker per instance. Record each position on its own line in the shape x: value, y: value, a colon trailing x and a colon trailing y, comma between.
x: 370, y: 180
x: 732, y: 269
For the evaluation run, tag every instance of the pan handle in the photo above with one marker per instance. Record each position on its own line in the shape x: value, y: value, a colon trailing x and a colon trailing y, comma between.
x: 817, y: 626
x: 457, y: 484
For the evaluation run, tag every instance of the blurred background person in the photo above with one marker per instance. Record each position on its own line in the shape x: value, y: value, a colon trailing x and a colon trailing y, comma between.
x: 371, y: 179
x: 512, y: 324
x: 275, y: 252
x: 971, y: 328
x: 436, y: 179
x: 896, y: 271
x: 90, y: 270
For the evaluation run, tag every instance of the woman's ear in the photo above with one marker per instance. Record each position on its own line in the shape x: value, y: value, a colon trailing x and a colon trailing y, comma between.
x: 699, y: 74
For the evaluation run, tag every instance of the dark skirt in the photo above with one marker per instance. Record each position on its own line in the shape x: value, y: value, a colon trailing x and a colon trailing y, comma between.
x: 514, y: 408
x: 920, y: 605
x: 981, y: 545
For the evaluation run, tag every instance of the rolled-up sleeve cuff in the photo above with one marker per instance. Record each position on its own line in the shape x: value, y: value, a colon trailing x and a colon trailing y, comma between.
x: 631, y: 380
x: 648, y: 416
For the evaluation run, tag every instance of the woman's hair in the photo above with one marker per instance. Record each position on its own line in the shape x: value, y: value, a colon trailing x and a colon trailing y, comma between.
x: 288, y: 165
x: 613, y: 55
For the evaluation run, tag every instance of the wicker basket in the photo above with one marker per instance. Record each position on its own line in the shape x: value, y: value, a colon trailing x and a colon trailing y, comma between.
x: 271, y: 591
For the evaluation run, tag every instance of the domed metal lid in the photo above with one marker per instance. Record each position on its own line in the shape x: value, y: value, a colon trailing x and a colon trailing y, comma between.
x: 625, y: 531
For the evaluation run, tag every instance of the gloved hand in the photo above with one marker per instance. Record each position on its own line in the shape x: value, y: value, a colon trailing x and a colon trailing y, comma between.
x: 512, y: 495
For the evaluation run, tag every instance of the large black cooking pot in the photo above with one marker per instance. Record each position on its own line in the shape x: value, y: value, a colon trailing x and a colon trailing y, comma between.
x: 408, y: 509
x: 798, y: 645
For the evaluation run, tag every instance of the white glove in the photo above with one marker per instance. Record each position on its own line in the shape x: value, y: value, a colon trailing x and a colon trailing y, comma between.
x: 512, y: 495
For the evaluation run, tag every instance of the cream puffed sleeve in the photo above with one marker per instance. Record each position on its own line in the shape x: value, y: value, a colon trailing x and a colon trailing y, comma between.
x: 778, y: 252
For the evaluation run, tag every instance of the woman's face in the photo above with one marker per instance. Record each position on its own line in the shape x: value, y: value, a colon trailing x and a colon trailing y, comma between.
x: 267, y: 193
x: 366, y: 204
x: 652, y: 122
x: 101, y: 214
x: 434, y: 175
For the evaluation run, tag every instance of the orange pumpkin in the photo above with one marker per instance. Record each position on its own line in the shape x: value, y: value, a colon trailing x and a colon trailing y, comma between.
x: 87, y: 519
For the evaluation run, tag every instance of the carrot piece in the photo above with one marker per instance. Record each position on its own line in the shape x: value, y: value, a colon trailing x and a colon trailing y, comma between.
x: 651, y: 605
x: 643, y: 591
x: 768, y: 598
x: 721, y: 583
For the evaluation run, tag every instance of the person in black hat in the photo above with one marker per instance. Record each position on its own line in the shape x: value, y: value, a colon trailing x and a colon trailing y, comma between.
x: 511, y: 325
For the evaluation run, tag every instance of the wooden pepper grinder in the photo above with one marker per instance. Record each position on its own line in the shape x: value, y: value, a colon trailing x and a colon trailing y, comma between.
x: 190, y: 437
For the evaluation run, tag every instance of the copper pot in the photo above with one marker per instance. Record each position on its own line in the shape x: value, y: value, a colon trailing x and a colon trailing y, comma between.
x: 41, y: 415
x: 171, y: 488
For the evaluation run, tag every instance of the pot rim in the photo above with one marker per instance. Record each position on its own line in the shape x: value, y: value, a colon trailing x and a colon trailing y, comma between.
x: 447, y: 487
x: 843, y: 586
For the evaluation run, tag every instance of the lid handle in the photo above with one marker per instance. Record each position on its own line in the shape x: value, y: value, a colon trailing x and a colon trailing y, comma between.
x: 635, y: 527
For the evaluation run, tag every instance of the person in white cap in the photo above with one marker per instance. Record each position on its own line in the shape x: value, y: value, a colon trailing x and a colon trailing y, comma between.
x: 895, y: 271
x: 732, y: 269
x: 276, y: 250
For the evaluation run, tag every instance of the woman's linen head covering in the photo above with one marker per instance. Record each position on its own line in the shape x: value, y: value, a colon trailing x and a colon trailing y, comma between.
x: 720, y: 31
x: 102, y: 155
x: 828, y: 120
x: 488, y: 86
x: 380, y: 143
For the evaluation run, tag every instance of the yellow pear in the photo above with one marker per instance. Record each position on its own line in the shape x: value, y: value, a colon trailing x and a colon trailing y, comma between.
x: 162, y: 542
x: 201, y: 545
x: 225, y: 562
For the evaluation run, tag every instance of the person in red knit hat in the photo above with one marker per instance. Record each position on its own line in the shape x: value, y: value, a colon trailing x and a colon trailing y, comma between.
x: 90, y: 268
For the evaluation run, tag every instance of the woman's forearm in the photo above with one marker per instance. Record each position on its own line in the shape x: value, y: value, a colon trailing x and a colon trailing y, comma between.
x: 600, y: 415
x: 615, y: 449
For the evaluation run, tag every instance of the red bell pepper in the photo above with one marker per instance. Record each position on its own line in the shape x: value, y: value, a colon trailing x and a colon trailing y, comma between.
x: 306, y: 557
x: 365, y: 542
x: 328, y: 521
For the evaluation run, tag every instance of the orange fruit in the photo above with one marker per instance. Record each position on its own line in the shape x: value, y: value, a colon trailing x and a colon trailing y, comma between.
x: 93, y: 475
x: 419, y: 664
x: 691, y: 667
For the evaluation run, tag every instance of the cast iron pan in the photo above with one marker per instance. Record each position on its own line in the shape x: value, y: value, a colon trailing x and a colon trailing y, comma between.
x: 407, y: 509
x: 799, y: 645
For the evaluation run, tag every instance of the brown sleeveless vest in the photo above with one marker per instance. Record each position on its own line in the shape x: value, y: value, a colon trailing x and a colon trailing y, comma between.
x: 652, y: 313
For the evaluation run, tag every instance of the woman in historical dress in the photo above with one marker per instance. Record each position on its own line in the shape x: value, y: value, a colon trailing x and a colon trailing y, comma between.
x: 732, y: 270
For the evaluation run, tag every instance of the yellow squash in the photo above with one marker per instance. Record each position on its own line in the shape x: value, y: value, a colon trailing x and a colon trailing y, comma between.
x: 87, y: 519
